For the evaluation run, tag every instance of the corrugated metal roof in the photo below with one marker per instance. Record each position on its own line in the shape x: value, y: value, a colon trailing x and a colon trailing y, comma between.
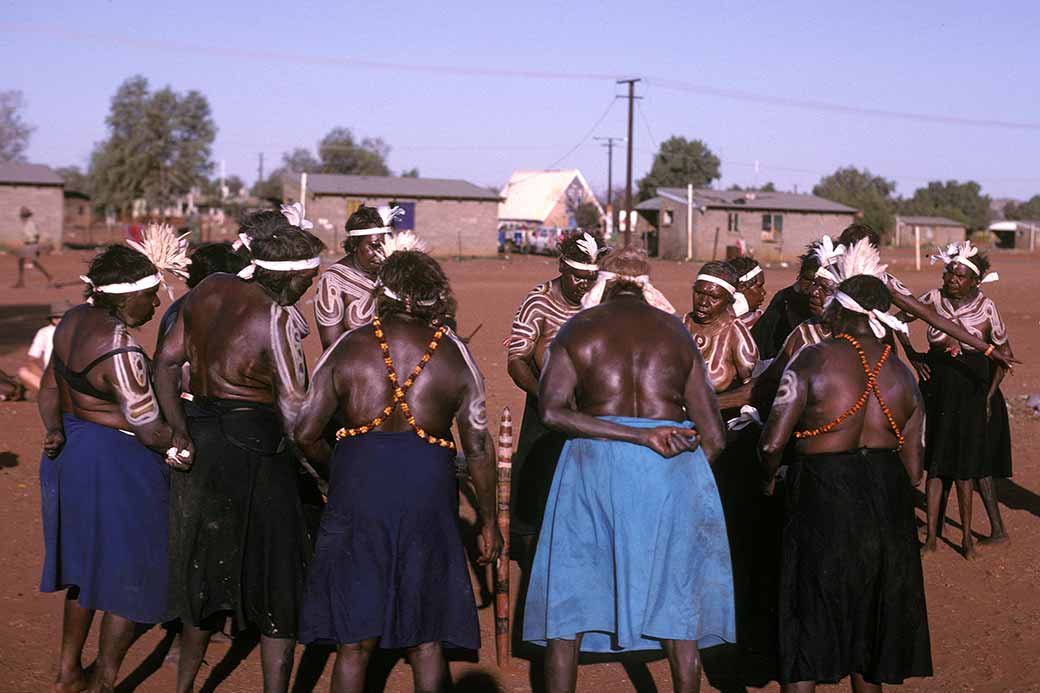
x: 20, y: 173
x: 743, y: 199
x: 532, y: 195
x: 396, y: 186
x: 930, y: 221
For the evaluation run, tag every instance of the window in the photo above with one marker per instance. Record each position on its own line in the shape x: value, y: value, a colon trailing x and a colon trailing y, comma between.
x: 772, y: 226
x: 669, y: 217
x: 733, y: 222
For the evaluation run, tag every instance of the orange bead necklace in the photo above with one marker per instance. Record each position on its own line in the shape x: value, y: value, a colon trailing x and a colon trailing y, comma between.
x: 872, y: 388
x: 400, y: 389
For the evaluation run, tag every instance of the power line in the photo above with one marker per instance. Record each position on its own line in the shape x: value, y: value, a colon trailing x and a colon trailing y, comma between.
x: 646, y: 122
x: 588, y: 134
x: 153, y: 45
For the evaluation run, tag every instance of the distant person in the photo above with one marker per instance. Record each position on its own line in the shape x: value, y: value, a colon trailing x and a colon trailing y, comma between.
x: 852, y: 592
x: 40, y: 350
x: 238, y: 541
x: 633, y: 553
x: 103, y: 481
x: 968, y: 437
x: 788, y: 308
x: 390, y: 568
x: 724, y: 341
x: 751, y: 283
x: 29, y: 253
x: 344, y: 298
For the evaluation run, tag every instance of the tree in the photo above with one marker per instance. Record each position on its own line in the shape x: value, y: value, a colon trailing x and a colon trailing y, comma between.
x: 768, y: 187
x: 410, y: 173
x: 300, y: 160
x: 678, y: 163
x: 1027, y: 210
x: 586, y: 216
x: 158, y: 146
x: 340, y: 153
x: 271, y: 187
x: 74, y: 179
x: 14, y: 132
x: 963, y: 202
x: 872, y: 195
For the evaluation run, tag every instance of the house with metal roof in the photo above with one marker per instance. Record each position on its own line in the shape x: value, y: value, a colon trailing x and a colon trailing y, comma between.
x: 930, y: 230
x: 453, y: 217
x: 35, y: 187
x: 703, y: 224
x: 1018, y: 234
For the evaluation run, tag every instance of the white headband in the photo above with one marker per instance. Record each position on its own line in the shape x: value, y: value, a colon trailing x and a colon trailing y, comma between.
x: 588, y: 267
x: 279, y: 266
x: 720, y: 282
x: 388, y: 214
x: 740, y: 304
x: 390, y: 294
x: 126, y: 287
x: 755, y: 271
x: 878, y: 319
x: 826, y: 274
x: 650, y: 293
x: 587, y: 244
x: 960, y: 252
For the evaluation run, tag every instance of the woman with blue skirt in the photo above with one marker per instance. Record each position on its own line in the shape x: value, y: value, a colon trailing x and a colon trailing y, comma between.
x: 103, y: 486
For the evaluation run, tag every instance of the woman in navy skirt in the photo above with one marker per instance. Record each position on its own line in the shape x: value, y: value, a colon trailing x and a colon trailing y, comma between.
x: 103, y: 486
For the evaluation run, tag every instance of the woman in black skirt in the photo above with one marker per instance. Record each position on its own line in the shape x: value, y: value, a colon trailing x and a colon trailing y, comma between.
x: 968, y: 440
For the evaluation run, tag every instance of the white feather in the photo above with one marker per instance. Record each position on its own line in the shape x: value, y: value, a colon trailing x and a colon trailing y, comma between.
x: 588, y: 245
x: 861, y: 258
x: 294, y: 214
x: 166, y: 250
x: 390, y: 214
x: 404, y: 240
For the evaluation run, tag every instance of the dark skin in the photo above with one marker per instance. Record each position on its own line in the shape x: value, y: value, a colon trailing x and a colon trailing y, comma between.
x: 572, y: 285
x: 224, y: 330
x: 365, y: 256
x: 625, y: 358
x: 960, y: 287
x: 755, y: 291
x: 820, y: 384
x: 85, y: 333
x: 710, y: 301
x: 352, y: 378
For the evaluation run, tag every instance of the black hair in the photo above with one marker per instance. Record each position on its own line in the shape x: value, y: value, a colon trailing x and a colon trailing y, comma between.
x: 809, y: 261
x: 283, y: 244
x: 723, y: 270
x: 857, y: 231
x: 421, y: 286
x: 363, y: 218
x: 569, y: 248
x: 116, y: 264
x: 868, y: 291
x: 744, y: 264
x: 211, y: 258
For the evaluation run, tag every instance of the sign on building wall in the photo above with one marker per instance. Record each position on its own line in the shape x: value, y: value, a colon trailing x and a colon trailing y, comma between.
x: 406, y: 222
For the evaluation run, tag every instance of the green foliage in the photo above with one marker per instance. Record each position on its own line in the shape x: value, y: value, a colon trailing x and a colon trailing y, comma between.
x: 678, y: 163
x: 158, y: 146
x: 300, y: 160
x: 586, y: 216
x: 14, y: 132
x: 963, y: 202
x: 1025, y: 211
x: 410, y: 173
x: 340, y: 153
x: 75, y: 179
x: 872, y: 195
x: 768, y: 187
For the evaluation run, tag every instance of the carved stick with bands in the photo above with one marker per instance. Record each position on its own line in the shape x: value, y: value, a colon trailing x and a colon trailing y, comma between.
x: 505, y: 470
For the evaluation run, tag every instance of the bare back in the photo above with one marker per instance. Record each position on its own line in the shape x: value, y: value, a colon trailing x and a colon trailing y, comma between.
x: 631, y: 360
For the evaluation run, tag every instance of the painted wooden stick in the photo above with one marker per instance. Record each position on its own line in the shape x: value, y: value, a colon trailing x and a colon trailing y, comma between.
x: 505, y: 471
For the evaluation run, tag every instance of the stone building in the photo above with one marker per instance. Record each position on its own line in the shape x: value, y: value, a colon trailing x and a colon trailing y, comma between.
x: 769, y: 225
x: 933, y: 231
x: 34, y: 186
x: 453, y: 217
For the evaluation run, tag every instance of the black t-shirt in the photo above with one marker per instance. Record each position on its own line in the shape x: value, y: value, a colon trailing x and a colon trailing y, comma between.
x: 787, y: 310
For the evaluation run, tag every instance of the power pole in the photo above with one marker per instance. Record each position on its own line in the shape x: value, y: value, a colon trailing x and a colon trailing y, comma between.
x: 628, y: 172
x: 260, y: 170
x: 609, y: 144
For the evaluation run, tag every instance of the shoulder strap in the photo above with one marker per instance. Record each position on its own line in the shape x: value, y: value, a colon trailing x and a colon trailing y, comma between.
x: 109, y: 354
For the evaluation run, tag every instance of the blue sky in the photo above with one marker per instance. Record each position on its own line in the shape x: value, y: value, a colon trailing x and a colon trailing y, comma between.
x: 280, y: 75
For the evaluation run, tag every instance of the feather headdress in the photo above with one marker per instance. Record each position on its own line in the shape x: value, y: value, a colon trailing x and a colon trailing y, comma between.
x: 861, y: 258
x: 294, y: 214
x: 962, y: 252
x: 390, y: 214
x: 588, y: 245
x: 403, y: 240
x: 827, y: 253
x: 166, y: 250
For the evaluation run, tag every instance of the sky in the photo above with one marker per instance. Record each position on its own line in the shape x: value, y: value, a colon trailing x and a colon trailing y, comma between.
x: 478, y: 90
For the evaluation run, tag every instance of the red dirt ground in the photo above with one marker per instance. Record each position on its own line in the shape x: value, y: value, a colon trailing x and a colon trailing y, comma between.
x: 984, y: 616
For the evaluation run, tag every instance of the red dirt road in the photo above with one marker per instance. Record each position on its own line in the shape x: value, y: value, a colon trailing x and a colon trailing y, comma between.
x: 984, y: 615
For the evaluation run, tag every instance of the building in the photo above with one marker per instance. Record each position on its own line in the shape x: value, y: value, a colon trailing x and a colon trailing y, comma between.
x: 453, y: 217
x: 34, y: 186
x: 769, y: 225
x: 1020, y: 235
x: 537, y: 205
x: 932, y: 230
x: 78, y: 214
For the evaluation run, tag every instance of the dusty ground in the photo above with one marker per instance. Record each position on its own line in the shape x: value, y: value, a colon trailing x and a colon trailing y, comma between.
x: 984, y: 616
